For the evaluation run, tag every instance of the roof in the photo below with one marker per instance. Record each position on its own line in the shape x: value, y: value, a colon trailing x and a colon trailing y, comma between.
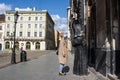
x: 24, y: 12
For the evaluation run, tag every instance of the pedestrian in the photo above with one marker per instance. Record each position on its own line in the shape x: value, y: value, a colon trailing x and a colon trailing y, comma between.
x: 62, y: 54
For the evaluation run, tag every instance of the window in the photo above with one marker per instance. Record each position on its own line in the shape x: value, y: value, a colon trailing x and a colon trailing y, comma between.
x: 21, y: 18
x: 0, y: 36
x: 8, y: 33
x: 40, y: 18
x: 28, y: 34
x: 29, y: 18
x: 21, y: 25
x: 20, y: 34
x: 35, y: 25
x: 29, y: 25
x: 17, y: 45
x: 37, y: 46
x: 40, y: 34
x: 40, y: 26
x: 35, y: 34
x: 36, y: 18
x: 28, y: 46
x: 8, y: 18
x: 8, y: 25
x: 7, y: 45
x: 0, y: 27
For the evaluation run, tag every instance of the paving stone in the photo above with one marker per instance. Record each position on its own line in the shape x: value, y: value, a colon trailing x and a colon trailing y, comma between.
x: 44, y: 67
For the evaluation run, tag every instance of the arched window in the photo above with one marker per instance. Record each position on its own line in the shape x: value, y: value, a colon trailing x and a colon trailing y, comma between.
x: 0, y: 47
x: 28, y: 46
x: 7, y: 45
x: 17, y: 45
x: 37, y: 45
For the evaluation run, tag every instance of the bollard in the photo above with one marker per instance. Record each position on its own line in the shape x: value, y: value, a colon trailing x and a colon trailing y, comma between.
x: 21, y: 59
x: 23, y: 56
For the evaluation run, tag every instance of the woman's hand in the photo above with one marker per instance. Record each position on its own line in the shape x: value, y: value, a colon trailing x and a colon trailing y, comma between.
x: 64, y: 55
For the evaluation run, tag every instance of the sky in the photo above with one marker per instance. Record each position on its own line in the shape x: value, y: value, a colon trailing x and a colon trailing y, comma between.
x: 56, y: 8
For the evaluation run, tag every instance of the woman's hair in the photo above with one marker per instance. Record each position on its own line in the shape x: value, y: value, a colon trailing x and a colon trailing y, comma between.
x: 62, y: 35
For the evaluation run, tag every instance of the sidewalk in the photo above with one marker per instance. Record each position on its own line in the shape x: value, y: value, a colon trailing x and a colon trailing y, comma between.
x: 91, y: 76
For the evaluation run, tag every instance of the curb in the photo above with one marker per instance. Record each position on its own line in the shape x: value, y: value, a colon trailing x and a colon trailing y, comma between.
x: 98, y: 75
x: 112, y: 77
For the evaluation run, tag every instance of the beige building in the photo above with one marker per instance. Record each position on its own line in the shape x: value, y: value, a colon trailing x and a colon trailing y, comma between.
x: 2, y: 25
x: 56, y: 38
x: 34, y: 30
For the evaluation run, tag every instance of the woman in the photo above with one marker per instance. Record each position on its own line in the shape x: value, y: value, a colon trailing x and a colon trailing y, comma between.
x: 62, y: 54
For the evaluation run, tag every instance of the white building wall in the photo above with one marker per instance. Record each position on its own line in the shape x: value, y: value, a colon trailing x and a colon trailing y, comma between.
x: 22, y: 44
x: 42, y: 45
x: 32, y: 46
x: 69, y: 36
x: 25, y: 29
x: 2, y: 35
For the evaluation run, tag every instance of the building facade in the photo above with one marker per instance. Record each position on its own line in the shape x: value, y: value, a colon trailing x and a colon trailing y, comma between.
x: 103, y: 36
x: 34, y: 30
x: 69, y: 45
x: 2, y: 25
x: 57, y: 34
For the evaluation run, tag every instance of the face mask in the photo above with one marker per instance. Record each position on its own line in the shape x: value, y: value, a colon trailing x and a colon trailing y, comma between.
x: 59, y: 38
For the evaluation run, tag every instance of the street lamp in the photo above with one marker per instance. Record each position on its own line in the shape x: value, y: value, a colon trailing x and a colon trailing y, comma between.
x: 11, y: 38
x: 13, y: 59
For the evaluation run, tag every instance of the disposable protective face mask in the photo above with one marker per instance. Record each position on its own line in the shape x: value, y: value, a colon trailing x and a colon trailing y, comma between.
x: 59, y: 38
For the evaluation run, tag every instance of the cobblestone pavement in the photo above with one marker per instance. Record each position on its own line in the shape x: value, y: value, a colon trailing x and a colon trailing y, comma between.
x: 71, y: 76
x: 43, y: 67
x: 5, y: 56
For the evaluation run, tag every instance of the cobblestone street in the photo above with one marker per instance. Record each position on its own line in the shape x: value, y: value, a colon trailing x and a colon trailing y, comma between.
x: 5, y: 56
x: 43, y: 67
